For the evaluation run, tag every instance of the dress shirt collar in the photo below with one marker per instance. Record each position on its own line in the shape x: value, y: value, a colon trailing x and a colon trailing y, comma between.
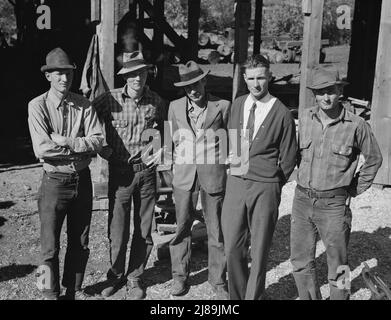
x: 250, y: 100
x: 145, y: 93
x: 57, y: 101
x: 343, y: 116
x: 190, y: 105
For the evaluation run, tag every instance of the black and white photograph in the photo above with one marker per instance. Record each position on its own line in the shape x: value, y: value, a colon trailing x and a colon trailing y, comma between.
x: 194, y: 153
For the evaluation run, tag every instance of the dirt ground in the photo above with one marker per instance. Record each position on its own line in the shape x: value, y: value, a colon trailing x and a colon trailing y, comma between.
x: 20, y: 177
x: 19, y: 245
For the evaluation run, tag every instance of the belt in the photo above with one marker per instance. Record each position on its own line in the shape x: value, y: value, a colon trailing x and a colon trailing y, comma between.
x: 136, y: 166
x: 323, y: 194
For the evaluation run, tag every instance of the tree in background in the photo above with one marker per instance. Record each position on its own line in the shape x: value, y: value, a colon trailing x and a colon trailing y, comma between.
x: 7, y: 20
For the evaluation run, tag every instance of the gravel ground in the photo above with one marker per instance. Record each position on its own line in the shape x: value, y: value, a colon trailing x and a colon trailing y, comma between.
x: 19, y: 245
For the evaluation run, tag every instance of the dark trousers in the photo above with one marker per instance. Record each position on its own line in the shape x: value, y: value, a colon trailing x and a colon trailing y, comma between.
x: 180, y: 245
x: 331, y: 218
x: 124, y: 184
x: 250, y: 210
x: 63, y: 195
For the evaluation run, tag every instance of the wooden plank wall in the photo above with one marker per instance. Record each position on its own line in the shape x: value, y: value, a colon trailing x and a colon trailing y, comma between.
x: 381, y: 102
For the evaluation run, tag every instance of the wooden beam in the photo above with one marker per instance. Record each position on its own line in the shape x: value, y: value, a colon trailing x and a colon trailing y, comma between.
x: 158, y: 44
x: 313, y: 18
x: 258, y: 26
x: 158, y: 7
x: 194, y: 11
x: 381, y: 107
x: 95, y: 10
x: 177, y: 40
x: 106, y: 36
x: 242, y: 18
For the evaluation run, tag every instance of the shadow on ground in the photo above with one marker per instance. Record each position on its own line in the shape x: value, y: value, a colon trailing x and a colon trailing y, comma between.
x: 6, y: 205
x: 15, y: 271
x: 363, y: 246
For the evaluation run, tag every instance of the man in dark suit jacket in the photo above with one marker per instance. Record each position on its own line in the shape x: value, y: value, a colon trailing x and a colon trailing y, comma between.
x: 268, y: 156
x: 196, y: 120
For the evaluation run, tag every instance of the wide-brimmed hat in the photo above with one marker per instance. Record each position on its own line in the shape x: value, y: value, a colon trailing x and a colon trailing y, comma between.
x: 57, y: 59
x: 323, y: 78
x: 190, y: 73
x: 133, y: 61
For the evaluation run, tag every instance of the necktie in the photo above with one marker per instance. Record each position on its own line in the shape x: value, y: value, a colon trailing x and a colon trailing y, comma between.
x: 65, y: 113
x: 250, y: 122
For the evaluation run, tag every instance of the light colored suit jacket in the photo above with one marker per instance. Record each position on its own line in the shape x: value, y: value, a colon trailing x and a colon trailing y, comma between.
x: 204, y: 154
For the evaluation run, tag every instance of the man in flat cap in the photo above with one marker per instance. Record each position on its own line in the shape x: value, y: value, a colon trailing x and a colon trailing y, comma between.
x: 196, y: 121
x: 65, y: 132
x: 128, y: 113
x: 330, y: 139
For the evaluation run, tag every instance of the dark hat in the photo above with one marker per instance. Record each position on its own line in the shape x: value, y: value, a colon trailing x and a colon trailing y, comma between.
x: 57, y: 59
x: 190, y: 73
x: 323, y: 78
x: 133, y: 61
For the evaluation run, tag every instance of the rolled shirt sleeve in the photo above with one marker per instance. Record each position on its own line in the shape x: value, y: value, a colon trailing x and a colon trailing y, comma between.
x: 44, y: 147
x: 93, y: 138
x: 372, y: 159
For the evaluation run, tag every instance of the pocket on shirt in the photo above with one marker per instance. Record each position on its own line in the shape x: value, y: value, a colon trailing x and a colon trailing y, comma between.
x: 342, y: 152
x: 305, y: 149
x: 119, y: 123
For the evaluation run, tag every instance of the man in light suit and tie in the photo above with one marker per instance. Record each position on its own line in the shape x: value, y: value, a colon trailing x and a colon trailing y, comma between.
x: 196, y: 120
x: 250, y: 210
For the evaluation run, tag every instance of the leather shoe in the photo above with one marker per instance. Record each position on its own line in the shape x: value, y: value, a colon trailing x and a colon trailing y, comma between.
x: 112, y: 286
x: 135, y: 291
x: 179, y: 287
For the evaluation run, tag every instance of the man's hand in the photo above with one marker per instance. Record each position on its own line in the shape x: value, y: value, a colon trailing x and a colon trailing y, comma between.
x: 60, y: 140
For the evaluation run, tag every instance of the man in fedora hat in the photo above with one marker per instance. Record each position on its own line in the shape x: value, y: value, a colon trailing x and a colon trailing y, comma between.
x: 198, y: 117
x: 65, y: 132
x: 127, y: 114
x: 330, y: 139
x: 250, y: 210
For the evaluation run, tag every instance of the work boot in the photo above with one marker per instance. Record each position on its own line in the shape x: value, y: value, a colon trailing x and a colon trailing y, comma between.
x: 112, y: 286
x: 179, y: 287
x: 135, y: 290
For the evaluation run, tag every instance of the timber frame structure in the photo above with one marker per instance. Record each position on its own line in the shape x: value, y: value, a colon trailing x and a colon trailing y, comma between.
x: 369, y: 72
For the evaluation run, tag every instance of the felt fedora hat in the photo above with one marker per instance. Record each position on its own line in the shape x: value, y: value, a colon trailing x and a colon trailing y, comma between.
x: 190, y: 73
x: 133, y: 61
x: 323, y: 78
x: 57, y: 59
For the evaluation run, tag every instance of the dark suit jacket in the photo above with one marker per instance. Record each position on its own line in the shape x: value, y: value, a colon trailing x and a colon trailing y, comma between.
x: 190, y: 151
x: 272, y: 153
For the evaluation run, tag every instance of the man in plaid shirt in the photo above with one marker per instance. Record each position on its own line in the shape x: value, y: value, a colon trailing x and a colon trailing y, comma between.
x: 331, y: 139
x: 127, y: 113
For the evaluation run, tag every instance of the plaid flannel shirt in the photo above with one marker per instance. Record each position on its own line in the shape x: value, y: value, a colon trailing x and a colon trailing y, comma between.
x: 329, y: 156
x: 126, y: 119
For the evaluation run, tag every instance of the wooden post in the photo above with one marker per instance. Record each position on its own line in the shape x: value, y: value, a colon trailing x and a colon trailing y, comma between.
x: 95, y: 10
x: 242, y: 18
x: 381, y: 107
x: 257, y: 26
x: 313, y: 18
x: 194, y: 10
x: 106, y: 35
